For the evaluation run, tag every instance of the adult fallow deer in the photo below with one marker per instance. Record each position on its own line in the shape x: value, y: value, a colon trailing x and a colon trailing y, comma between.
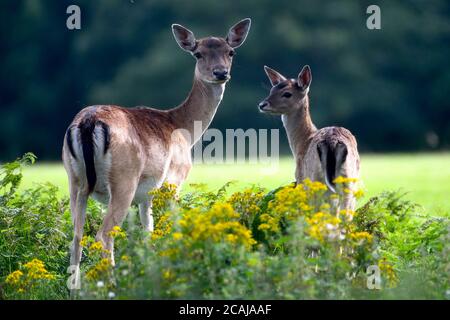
x: 117, y: 155
x: 320, y: 155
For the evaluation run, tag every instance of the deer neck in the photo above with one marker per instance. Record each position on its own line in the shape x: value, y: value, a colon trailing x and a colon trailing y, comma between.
x: 197, y: 111
x: 299, y: 128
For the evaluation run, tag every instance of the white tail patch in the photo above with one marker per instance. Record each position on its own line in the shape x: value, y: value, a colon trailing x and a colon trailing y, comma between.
x: 77, y: 164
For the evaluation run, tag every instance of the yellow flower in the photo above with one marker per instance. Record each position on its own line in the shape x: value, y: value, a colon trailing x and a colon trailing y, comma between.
x: 324, y: 226
x: 218, y: 224
x: 163, y: 227
x: 163, y: 196
x: 292, y: 202
x: 346, y: 215
x: 231, y: 238
x: 314, y: 185
x: 388, y: 270
x: 96, y: 246
x: 246, y: 202
x: 177, y: 235
x: 344, y: 180
x: 101, y: 269
x: 117, y: 232
x: 36, y: 270
x: 32, y: 273
x: 84, y: 241
x: 361, y: 236
x: 34, y: 264
x: 14, y: 277
x: 358, y: 193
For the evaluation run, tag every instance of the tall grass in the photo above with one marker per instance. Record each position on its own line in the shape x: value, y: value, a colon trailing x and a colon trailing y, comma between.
x: 288, y: 243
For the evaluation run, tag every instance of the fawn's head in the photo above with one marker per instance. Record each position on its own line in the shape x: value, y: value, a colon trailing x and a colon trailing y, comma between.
x: 214, y: 55
x: 286, y: 95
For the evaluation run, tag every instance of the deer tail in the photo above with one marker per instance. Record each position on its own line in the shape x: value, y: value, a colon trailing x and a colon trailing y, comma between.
x: 85, y: 141
x: 331, y: 159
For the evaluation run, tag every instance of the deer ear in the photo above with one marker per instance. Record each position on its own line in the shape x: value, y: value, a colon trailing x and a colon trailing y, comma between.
x: 274, y: 76
x: 237, y: 34
x: 184, y: 37
x: 304, y: 78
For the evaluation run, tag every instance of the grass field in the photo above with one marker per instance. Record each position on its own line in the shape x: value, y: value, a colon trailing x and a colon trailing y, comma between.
x: 425, y: 177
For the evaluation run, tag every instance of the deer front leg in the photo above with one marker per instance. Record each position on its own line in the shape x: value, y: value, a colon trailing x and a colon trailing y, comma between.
x: 146, y: 215
x: 122, y: 195
x: 178, y: 172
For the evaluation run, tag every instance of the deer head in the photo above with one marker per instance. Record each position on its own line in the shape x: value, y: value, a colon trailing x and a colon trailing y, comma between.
x: 214, y: 55
x: 286, y: 95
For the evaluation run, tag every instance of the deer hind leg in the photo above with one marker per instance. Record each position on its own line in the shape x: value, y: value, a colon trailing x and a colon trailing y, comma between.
x: 349, y: 202
x: 78, y: 203
x: 122, y: 195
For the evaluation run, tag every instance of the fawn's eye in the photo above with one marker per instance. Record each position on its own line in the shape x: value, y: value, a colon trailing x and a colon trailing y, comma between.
x: 287, y: 95
x: 231, y: 53
x: 198, y: 55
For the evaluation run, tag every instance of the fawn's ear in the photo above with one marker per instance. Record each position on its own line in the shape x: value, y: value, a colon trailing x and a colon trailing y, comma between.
x: 237, y: 34
x: 304, y: 78
x: 184, y: 37
x: 274, y: 76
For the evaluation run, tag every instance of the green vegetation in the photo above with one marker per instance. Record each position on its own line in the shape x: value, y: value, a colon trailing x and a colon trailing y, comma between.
x: 424, y: 177
x: 255, y: 243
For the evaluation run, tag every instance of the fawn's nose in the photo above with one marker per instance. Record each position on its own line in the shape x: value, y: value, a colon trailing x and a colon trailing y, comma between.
x: 262, y: 105
x: 220, y: 73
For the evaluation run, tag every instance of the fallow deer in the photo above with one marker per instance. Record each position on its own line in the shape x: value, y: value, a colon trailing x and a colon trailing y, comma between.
x: 320, y: 155
x: 117, y: 155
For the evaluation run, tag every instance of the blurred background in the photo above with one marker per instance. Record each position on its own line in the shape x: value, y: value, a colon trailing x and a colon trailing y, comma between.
x: 390, y: 87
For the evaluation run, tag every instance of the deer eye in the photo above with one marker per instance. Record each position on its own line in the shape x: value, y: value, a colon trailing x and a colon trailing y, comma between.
x: 287, y: 95
x: 198, y: 55
x: 231, y: 53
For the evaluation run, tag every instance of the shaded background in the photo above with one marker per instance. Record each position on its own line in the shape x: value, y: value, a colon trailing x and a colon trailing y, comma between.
x: 390, y: 87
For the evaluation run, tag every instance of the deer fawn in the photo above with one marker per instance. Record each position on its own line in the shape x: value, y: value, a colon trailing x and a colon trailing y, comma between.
x: 118, y: 155
x: 321, y: 155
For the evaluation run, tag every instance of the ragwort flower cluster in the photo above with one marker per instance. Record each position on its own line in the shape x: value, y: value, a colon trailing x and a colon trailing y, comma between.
x: 29, y: 276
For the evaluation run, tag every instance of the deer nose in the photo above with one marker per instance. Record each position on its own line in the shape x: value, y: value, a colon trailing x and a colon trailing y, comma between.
x: 262, y: 105
x: 220, y: 73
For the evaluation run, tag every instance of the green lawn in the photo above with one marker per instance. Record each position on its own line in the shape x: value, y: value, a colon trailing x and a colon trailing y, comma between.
x: 426, y: 177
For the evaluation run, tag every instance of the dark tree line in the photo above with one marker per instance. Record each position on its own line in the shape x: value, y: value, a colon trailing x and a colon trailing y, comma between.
x: 389, y: 86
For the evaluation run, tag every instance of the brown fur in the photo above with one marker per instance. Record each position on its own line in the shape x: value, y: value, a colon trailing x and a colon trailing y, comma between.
x: 304, y: 138
x: 145, y: 146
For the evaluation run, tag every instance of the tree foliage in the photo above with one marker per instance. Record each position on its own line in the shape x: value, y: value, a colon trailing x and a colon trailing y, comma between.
x: 389, y: 86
